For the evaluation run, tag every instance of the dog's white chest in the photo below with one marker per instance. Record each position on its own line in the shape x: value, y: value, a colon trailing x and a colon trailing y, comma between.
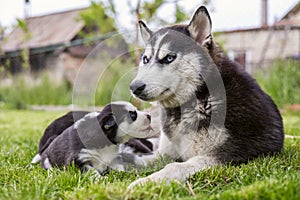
x: 187, y: 139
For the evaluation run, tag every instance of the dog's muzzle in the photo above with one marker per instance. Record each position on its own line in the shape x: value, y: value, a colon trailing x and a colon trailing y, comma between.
x: 137, y: 87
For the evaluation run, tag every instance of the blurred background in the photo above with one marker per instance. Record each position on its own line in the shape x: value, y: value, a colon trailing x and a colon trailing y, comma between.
x: 43, y: 44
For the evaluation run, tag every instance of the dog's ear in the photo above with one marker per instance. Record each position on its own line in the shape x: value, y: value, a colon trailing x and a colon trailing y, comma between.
x: 200, y: 27
x: 108, y: 122
x: 146, y: 33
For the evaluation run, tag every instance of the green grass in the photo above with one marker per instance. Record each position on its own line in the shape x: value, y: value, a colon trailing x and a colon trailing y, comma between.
x: 276, y: 177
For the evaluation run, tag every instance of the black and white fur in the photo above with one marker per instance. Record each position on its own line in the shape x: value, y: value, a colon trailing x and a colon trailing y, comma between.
x: 93, y: 139
x: 56, y: 128
x: 204, y: 122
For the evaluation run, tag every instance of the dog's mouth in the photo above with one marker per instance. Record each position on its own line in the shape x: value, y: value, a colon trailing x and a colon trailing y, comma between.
x: 165, y: 92
x: 149, y: 97
x: 148, y: 129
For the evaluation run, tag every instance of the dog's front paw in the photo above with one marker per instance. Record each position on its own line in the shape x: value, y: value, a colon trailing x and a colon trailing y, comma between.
x: 156, y: 177
x: 140, y: 181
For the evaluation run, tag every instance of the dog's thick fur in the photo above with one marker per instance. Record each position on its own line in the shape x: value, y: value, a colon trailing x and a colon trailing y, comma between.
x: 177, y: 70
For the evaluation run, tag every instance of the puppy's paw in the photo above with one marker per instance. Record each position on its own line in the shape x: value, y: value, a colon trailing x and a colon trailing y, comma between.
x: 36, y: 159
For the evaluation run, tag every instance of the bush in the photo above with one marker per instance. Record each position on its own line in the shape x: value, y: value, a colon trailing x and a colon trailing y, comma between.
x: 21, y: 93
x: 113, y: 86
x: 281, y: 81
x: 115, y: 77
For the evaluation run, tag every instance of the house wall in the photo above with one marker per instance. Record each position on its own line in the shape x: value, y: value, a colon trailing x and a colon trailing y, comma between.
x: 262, y: 46
x: 63, y: 66
x: 59, y: 66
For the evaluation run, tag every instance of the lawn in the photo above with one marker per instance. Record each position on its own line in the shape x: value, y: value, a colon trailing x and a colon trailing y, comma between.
x: 276, y: 177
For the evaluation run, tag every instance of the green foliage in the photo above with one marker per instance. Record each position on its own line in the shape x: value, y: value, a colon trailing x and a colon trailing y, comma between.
x: 27, y: 35
x: 271, y: 177
x: 22, y: 24
x: 150, y: 8
x: 113, y: 86
x: 114, y: 83
x: 111, y: 6
x: 221, y: 42
x: 180, y: 15
x: 291, y: 122
x: 281, y: 81
x: 25, y: 58
x: 21, y: 94
x: 97, y: 22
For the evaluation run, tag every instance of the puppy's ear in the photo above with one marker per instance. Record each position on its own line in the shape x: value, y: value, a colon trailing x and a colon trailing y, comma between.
x: 200, y: 27
x: 146, y: 33
x: 109, y: 122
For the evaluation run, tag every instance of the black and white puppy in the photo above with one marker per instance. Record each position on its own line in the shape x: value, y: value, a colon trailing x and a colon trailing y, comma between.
x: 56, y: 128
x: 92, y: 140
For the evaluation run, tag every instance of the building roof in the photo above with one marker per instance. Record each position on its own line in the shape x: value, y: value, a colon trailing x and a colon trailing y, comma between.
x: 46, y: 30
x: 294, y: 10
x: 291, y: 18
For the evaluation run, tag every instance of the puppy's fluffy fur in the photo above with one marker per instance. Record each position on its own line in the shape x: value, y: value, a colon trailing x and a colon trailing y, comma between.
x: 92, y: 140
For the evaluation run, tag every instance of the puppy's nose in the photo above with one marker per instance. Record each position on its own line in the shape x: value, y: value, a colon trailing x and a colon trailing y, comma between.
x: 148, y: 117
x: 137, y: 87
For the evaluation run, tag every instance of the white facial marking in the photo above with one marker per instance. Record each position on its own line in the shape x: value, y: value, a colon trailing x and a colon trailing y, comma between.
x: 147, y: 53
x: 171, y: 84
x: 164, y: 50
x: 158, y: 41
x: 140, y: 128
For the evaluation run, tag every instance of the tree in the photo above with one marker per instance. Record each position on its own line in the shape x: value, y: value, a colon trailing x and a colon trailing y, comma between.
x: 143, y: 9
x: 2, y: 30
x: 96, y: 21
x: 26, y: 36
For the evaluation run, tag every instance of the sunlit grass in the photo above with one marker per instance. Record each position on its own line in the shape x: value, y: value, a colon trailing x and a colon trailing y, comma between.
x: 274, y: 177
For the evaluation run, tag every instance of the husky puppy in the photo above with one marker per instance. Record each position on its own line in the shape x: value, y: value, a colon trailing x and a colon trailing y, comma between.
x: 213, y: 112
x: 134, y: 145
x: 55, y: 129
x: 93, y: 141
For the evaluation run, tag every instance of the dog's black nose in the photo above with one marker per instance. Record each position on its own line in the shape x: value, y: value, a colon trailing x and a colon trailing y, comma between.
x: 149, y: 117
x: 137, y: 87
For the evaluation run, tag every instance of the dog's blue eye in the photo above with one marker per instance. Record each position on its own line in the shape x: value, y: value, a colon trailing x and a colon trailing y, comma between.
x: 145, y: 60
x: 168, y: 59
x: 133, y: 115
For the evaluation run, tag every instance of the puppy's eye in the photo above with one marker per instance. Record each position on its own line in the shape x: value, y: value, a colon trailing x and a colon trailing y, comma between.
x: 168, y: 59
x: 133, y: 115
x: 145, y: 59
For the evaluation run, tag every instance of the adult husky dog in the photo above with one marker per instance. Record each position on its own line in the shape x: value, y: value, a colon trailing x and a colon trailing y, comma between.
x: 213, y: 111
